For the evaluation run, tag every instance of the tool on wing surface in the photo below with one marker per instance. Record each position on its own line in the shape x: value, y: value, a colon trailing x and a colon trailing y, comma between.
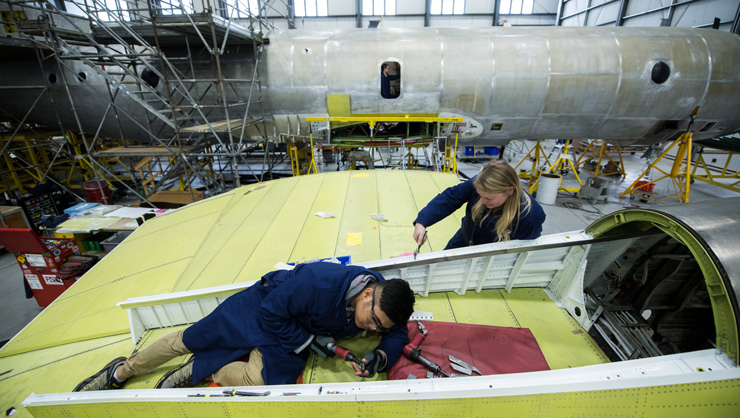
x: 462, y: 367
x: 413, y: 352
x: 423, y: 239
x: 245, y: 393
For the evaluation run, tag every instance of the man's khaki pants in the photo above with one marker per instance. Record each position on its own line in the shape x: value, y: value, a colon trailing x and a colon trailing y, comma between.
x: 237, y: 373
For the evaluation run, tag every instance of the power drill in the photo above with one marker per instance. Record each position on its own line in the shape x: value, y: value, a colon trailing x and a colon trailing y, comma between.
x: 413, y: 352
x: 346, y: 355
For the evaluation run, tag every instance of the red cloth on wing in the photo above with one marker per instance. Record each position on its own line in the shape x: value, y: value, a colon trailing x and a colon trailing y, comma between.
x: 493, y: 350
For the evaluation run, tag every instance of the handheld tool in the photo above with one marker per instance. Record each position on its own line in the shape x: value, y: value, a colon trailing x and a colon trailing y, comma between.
x: 346, y: 355
x: 416, y: 341
x: 417, y: 357
x: 462, y: 366
x: 413, y: 352
x: 423, y: 240
x: 244, y: 393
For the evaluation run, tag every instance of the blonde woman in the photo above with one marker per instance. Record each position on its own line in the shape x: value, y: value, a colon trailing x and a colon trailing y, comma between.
x: 498, y: 209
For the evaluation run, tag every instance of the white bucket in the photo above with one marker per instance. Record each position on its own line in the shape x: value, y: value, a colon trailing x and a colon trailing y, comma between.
x: 547, y: 190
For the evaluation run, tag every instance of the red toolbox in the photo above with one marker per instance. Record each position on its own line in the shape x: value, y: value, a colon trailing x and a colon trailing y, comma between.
x: 643, y: 186
x: 40, y: 260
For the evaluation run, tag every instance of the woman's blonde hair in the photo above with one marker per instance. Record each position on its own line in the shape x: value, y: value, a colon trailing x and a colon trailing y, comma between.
x: 499, y: 177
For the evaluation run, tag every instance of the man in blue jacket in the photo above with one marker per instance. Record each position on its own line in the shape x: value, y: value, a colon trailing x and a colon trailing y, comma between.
x: 277, y: 322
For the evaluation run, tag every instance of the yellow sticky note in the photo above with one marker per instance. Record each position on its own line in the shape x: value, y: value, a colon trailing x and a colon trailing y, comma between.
x: 361, y: 175
x: 354, y: 238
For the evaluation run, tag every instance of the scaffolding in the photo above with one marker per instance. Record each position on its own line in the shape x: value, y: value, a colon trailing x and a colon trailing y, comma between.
x: 164, y: 57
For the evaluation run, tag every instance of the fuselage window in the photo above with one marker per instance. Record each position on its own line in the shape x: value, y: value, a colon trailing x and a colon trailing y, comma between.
x: 390, y: 80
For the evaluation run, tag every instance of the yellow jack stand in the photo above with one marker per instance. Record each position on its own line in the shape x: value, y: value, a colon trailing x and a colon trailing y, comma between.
x: 451, y: 159
x: 563, y: 164
x: 296, y: 156
x: 602, y: 152
x: 725, y: 174
x: 407, y: 162
x: 680, y: 175
x: 535, y: 155
x: 379, y: 157
x: 312, y: 166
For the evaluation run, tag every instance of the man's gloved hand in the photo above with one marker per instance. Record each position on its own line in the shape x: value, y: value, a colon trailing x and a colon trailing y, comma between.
x: 374, y: 362
x: 319, y: 346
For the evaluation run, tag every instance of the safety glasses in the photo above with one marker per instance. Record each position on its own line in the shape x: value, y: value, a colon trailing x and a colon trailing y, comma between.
x: 378, y: 326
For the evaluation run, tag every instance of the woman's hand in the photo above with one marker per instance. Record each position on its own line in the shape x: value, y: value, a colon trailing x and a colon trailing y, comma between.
x: 419, y: 231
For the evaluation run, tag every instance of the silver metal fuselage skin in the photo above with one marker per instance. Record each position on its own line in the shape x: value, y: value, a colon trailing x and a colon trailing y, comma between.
x: 548, y: 82
x: 507, y: 83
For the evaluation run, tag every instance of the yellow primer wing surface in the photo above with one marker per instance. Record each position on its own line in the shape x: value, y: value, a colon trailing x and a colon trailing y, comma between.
x: 233, y: 237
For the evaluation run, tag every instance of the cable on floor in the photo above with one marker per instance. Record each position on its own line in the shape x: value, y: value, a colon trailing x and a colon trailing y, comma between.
x: 578, y: 206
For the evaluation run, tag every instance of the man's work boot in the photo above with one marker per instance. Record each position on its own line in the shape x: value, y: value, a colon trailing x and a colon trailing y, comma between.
x: 103, y: 380
x: 180, y: 377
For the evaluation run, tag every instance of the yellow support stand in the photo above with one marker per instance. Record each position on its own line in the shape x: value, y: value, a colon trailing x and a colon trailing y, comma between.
x: 87, y: 170
x: 38, y: 156
x: 26, y: 159
x: 563, y: 163
x: 412, y: 162
x: 679, y: 175
x: 312, y: 165
x: 188, y: 176
x: 295, y: 157
x: 12, y: 172
x: 601, y: 153
x: 378, y: 158
x: 725, y: 174
x: 451, y: 159
x: 535, y: 155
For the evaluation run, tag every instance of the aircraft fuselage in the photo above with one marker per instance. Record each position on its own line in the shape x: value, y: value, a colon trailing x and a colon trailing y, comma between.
x: 624, y: 85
